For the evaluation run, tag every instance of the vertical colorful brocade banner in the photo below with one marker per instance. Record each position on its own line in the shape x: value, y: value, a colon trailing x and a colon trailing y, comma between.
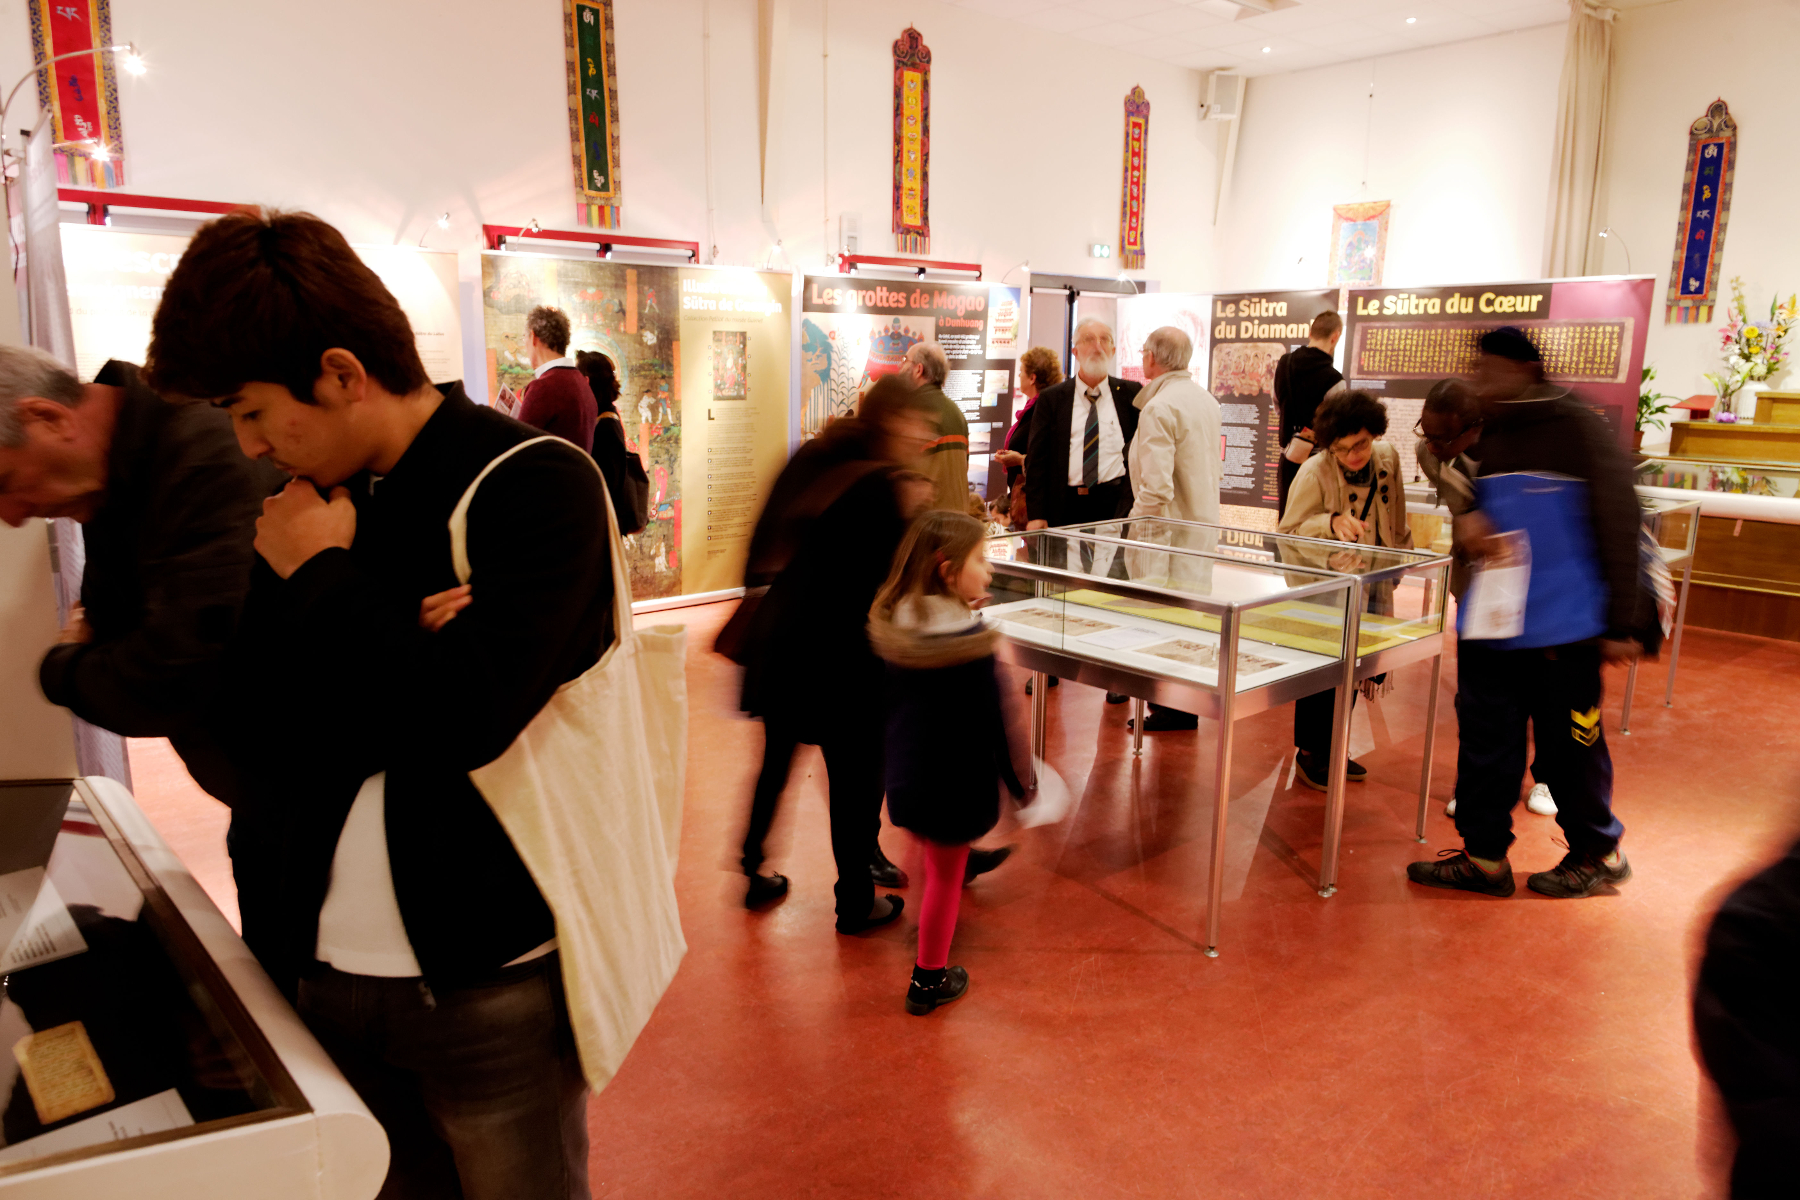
x: 1131, y: 198
x: 81, y: 93
x: 588, y: 49
x: 912, y: 143
x: 1705, y: 204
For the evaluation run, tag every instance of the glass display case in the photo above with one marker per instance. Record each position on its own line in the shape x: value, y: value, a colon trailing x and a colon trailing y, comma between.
x: 122, y: 1031
x: 1777, y: 480
x: 1177, y: 625
x: 1674, y: 527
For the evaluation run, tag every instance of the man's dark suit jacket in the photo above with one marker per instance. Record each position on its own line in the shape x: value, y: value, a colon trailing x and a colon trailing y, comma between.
x: 1047, y: 489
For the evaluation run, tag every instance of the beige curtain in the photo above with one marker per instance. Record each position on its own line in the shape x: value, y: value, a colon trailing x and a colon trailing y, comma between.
x: 1570, y: 247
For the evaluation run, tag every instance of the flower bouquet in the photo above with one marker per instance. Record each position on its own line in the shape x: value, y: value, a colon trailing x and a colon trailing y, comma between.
x: 1754, y: 350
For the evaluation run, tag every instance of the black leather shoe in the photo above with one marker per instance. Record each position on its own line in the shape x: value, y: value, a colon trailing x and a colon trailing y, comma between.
x: 765, y: 889
x: 876, y: 919
x: 1116, y: 697
x: 886, y: 874
x: 1162, y: 720
x: 983, y: 861
x: 1053, y: 683
x: 933, y: 988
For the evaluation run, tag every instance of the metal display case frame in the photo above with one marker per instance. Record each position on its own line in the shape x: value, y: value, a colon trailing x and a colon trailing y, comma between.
x: 1676, y: 559
x: 1222, y: 701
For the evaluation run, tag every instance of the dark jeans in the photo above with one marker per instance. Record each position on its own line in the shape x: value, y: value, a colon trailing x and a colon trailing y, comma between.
x: 853, y: 769
x: 1557, y: 689
x: 1312, y: 721
x: 478, y: 1088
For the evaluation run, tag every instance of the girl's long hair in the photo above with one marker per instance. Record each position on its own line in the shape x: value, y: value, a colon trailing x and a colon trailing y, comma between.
x: 936, y: 538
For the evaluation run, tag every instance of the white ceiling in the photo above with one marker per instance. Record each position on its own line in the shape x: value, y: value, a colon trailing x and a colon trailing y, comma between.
x: 1214, y: 34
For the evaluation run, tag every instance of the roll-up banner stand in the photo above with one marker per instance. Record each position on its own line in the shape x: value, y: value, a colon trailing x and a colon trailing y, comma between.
x: 854, y: 330
x: 1590, y: 331
x: 702, y: 355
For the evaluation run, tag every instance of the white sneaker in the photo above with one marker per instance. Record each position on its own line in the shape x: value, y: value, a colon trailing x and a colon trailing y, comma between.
x: 1540, y: 802
x: 1450, y: 808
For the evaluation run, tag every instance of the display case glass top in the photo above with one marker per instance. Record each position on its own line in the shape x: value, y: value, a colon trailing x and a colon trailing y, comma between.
x: 119, y: 1028
x: 1781, y: 480
x: 1161, y: 610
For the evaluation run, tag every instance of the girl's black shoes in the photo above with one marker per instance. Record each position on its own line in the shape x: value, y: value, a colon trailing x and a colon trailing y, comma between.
x: 931, y: 988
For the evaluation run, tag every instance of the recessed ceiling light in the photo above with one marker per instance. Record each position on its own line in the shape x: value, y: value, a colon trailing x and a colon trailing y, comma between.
x: 1267, y: 49
x: 1412, y: 20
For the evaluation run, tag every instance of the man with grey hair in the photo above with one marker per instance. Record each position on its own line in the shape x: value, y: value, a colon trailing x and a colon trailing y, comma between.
x: 168, y: 507
x: 946, y: 461
x: 1075, y: 465
x: 1175, y: 458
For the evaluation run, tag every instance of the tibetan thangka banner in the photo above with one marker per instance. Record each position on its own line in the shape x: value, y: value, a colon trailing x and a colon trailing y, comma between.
x: 1705, y: 204
x: 81, y: 93
x: 702, y: 359
x: 1358, y: 244
x: 1250, y: 333
x: 1591, y: 333
x: 1131, y: 198
x: 854, y: 331
x: 912, y: 143
x: 588, y: 49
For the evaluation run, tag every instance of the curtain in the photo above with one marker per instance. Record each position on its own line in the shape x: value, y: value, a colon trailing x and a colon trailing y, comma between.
x: 1570, y: 247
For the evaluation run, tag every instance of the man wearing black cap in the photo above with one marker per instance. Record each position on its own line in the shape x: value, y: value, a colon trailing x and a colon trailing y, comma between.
x: 1538, y: 428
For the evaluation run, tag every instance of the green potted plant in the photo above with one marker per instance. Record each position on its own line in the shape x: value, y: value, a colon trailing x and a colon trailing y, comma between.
x: 1653, y: 408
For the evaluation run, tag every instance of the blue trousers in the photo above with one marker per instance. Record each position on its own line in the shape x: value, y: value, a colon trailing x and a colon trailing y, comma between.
x: 1556, y: 689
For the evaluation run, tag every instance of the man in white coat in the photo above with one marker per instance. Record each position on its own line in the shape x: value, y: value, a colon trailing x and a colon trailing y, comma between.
x: 1176, y: 463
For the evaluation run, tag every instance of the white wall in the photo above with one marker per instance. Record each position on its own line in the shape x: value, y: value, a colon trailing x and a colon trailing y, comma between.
x: 1456, y: 136
x: 1663, y: 78
x: 380, y: 115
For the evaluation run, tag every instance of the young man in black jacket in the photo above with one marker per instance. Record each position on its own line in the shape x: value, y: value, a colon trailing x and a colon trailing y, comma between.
x: 167, y: 504
x: 1534, y: 426
x: 1303, y: 378
x: 376, y: 885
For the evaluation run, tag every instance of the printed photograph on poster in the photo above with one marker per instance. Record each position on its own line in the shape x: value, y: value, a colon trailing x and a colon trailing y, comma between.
x: 854, y: 331
x: 728, y: 364
x: 1251, y: 332
x: 1591, y: 333
x: 1141, y: 315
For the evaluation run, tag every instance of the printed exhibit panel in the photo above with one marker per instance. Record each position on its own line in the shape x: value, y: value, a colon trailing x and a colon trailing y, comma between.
x: 853, y: 331
x: 1591, y: 333
x: 702, y: 360
x: 1139, y: 316
x: 1251, y: 331
x: 116, y: 280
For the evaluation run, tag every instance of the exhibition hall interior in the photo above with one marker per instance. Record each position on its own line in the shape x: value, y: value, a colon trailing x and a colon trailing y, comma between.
x: 975, y: 598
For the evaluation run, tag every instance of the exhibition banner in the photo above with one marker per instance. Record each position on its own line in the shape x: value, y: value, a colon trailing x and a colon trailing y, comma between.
x: 116, y: 280
x: 853, y: 331
x: 702, y: 358
x: 1250, y: 333
x: 1591, y: 333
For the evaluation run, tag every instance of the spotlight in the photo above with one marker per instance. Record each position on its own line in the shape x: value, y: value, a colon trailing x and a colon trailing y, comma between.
x: 131, y: 60
x: 443, y: 221
x: 1268, y: 49
x: 1412, y: 20
x: 100, y: 153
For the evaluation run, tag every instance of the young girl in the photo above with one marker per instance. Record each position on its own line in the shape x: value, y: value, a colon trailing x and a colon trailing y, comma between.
x: 943, y: 773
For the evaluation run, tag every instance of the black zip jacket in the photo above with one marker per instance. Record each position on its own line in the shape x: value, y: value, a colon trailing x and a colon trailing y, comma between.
x: 335, y: 681
x: 1548, y: 429
x: 168, y: 566
x: 1302, y: 377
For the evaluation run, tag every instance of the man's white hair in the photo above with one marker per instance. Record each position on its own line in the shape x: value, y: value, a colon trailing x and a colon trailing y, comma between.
x: 1169, y: 348
x: 1094, y: 323
x: 26, y: 372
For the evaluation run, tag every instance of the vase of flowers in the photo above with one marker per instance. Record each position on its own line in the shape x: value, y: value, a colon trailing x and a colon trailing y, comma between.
x: 1754, y: 350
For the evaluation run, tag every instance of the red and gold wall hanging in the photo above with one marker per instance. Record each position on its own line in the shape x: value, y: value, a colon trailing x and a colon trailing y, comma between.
x: 1131, y: 200
x: 593, y: 110
x: 81, y: 93
x: 1705, y: 203
x: 912, y: 143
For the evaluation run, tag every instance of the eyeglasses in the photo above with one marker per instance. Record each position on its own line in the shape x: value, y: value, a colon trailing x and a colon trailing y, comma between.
x: 1419, y: 432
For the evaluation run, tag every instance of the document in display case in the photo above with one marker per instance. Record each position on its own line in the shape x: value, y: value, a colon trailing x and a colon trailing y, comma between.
x: 1177, y: 625
x: 130, y: 1054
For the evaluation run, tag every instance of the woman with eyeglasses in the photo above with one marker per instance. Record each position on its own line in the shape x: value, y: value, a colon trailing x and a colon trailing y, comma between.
x: 1354, y: 493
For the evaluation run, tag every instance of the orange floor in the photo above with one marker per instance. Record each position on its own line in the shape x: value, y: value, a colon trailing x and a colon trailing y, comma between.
x: 1388, y: 1042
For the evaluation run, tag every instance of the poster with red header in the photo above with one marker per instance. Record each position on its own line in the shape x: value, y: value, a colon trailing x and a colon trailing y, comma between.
x: 1398, y: 342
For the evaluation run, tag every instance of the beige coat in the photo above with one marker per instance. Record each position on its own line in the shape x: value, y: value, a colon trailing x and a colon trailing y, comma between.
x: 1320, y: 493
x: 1174, y: 458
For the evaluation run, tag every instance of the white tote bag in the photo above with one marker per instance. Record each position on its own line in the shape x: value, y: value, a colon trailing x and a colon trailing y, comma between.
x: 590, y: 794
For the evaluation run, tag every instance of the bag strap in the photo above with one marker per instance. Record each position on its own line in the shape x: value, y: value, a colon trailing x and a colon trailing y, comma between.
x: 459, y: 533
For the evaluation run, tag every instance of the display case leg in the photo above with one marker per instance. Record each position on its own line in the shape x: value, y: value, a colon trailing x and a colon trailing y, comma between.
x: 1340, y: 754
x: 1215, y: 883
x: 1687, y: 575
x: 1040, y: 713
x: 1630, y: 689
x: 1138, y: 708
x: 1431, y: 707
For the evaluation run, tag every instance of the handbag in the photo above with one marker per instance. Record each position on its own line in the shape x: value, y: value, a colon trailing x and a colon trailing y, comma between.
x: 632, y: 504
x: 590, y: 794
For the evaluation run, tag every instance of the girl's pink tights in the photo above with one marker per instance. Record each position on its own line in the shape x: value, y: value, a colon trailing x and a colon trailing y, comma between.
x: 937, y: 911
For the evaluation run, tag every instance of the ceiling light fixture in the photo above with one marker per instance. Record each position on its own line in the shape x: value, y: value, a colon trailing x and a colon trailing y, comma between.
x: 1412, y: 20
x: 100, y: 152
x: 444, y: 221
x: 1267, y: 49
